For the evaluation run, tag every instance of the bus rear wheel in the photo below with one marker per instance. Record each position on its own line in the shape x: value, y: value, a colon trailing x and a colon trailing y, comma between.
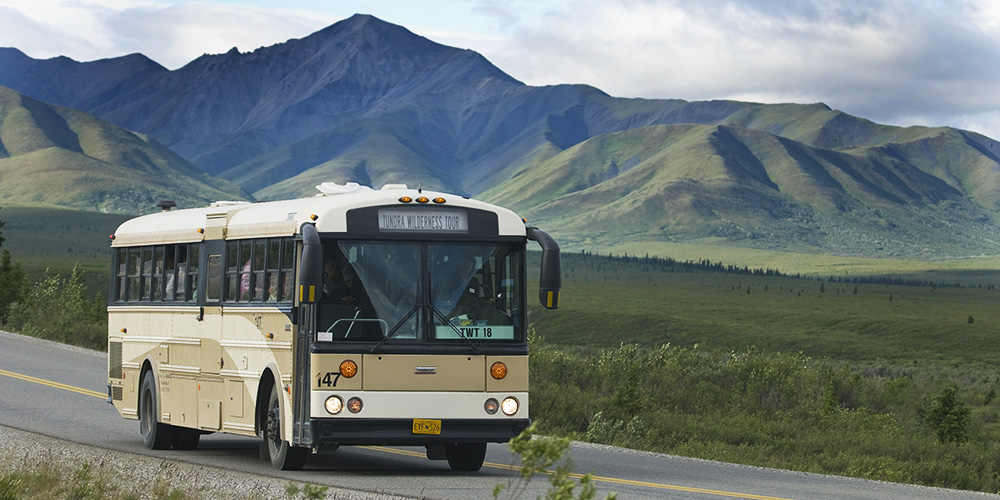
x: 465, y: 457
x: 185, y: 438
x: 283, y: 455
x: 155, y: 435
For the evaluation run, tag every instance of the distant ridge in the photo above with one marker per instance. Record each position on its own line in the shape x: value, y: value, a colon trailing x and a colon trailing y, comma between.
x: 58, y: 155
x: 368, y: 101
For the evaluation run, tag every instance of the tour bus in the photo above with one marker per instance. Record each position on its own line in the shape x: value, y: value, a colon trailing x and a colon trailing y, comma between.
x: 356, y: 317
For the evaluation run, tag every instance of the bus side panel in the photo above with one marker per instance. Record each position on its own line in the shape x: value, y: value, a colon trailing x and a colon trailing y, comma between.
x: 252, y: 339
x: 133, y: 341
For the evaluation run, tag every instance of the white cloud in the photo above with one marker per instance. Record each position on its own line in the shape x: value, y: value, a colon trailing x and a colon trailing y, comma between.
x: 171, y: 34
x: 883, y: 60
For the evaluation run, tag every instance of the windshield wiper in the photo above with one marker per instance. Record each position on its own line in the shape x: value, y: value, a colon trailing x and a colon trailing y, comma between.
x: 394, y: 329
x: 443, y: 318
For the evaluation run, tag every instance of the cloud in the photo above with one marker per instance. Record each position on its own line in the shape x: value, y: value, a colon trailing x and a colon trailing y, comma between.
x: 171, y: 34
x: 886, y: 60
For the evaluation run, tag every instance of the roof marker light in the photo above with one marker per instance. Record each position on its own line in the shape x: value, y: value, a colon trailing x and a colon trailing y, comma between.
x: 438, y: 200
x: 405, y: 199
x: 422, y: 199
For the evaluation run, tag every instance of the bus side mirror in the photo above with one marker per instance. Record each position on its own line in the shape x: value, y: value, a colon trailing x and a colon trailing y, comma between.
x: 311, y: 266
x: 550, y: 273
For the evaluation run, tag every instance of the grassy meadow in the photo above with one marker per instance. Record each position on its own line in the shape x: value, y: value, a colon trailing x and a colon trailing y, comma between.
x: 803, y: 373
x: 41, y: 237
x: 606, y: 302
x: 807, y: 370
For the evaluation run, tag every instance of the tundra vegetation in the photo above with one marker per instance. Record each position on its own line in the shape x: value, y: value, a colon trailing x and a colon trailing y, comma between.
x: 881, y: 376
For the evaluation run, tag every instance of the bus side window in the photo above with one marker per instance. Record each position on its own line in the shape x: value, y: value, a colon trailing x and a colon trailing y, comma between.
x: 259, y: 283
x: 192, y: 273
x: 273, y: 262
x: 147, y: 272
x: 287, y: 269
x: 214, y: 278
x: 134, y: 268
x: 122, y: 281
x: 180, y: 283
x: 169, y: 270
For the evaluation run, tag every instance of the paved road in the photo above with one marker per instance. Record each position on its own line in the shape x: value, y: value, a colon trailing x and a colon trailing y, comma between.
x: 59, y: 391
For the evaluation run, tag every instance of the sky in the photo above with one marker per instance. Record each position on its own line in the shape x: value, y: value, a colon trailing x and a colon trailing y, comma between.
x: 898, y: 62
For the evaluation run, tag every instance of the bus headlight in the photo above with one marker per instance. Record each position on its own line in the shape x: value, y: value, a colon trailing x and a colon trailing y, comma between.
x: 491, y: 406
x: 354, y: 405
x: 334, y: 404
x: 509, y: 406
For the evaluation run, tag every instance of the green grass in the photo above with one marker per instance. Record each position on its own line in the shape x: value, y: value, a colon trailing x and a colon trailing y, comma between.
x: 41, y: 237
x: 794, y: 373
x: 608, y: 302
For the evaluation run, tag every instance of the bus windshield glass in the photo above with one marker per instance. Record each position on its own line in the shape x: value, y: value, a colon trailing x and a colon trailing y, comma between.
x: 422, y: 292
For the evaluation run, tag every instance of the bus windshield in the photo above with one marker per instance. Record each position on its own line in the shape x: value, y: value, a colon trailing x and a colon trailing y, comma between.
x: 422, y: 292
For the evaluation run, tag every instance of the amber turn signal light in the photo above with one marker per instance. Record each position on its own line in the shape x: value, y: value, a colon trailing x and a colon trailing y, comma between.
x: 498, y: 371
x: 348, y: 368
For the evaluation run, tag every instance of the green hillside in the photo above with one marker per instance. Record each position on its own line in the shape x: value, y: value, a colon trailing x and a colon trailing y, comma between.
x: 738, y: 186
x: 60, y: 156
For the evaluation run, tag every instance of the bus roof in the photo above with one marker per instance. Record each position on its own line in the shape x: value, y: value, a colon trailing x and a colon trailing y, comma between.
x: 285, y: 218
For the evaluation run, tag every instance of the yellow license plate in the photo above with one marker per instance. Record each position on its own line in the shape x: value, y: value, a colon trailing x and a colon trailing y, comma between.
x: 423, y: 426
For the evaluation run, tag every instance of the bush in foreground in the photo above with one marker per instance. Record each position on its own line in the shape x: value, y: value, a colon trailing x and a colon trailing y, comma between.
x: 774, y: 410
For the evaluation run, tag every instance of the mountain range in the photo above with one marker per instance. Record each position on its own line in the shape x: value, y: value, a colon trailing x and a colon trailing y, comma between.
x: 368, y: 101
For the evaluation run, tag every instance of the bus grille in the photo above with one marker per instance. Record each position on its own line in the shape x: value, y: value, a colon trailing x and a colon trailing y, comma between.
x: 115, y: 360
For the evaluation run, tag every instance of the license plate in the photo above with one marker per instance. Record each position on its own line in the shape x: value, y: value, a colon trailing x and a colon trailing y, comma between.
x: 423, y: 426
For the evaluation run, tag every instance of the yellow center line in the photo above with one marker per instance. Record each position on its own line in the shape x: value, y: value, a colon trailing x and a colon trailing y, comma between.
x: 602, y: 479
x: 57, y: 385
x: 384, y: 449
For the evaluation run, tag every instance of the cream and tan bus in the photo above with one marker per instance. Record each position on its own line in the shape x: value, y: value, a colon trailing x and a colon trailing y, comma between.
x: 355, y: 317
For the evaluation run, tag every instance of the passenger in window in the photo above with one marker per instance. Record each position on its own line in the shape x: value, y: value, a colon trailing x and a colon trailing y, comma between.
x: 286, y: 291
x: 272, y: 287
x: 338, y: 282
x: 245, y: 279
x: 169, y: 275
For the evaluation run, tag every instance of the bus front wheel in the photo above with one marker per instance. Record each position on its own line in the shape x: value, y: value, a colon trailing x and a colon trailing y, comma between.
x: 465, y: 457
x: 156, y: 435
x: 283, y: 455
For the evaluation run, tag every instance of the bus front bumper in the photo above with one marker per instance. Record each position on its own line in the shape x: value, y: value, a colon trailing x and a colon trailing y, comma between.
x: 377, y: 431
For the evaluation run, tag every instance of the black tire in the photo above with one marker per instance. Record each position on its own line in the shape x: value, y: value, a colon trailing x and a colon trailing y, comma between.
x: 156, y: 435
x: 185, y: 438
x: 465, y: 457
x: 283, y: 455
x: 262, y: 450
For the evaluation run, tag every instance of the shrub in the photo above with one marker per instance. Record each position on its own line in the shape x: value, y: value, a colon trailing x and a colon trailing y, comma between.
x: 12, y: 285
x: 58, y: 308
x: 948, y: 416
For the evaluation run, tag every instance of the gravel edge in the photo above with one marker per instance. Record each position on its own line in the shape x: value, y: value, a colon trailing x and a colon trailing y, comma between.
x: 139, y: 473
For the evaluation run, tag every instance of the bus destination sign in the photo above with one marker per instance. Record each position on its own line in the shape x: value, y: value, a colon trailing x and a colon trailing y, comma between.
x: 423, y: 221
